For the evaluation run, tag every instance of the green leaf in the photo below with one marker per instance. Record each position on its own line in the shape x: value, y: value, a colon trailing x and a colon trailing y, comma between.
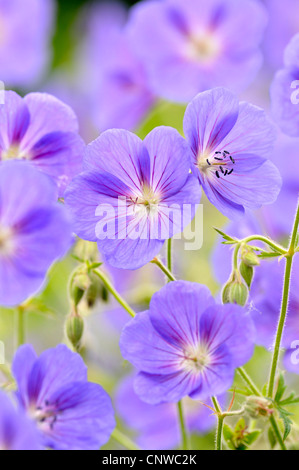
x: 247, y: 272
x: 225, y: 236
x: 252, y: 437
x: 272, y: 438
x: 287, y: 422
x: 268, y: 255
x: 280, y: 389
x: 228, y: 433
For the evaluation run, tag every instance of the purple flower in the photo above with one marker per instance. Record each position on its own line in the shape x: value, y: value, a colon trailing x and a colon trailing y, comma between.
x: 25, y: 35
x: 43, y: 130
x: 70, y: 412
x: 17, y: 432
x: 186, y: 344
x: 284, y: 91
x: 118, y: 94
x: 283, y: 24
x: 157, y: 426
x: 34, y: 230
x: 231, y: 142
x: 193, y: 45
x: 132, y: 195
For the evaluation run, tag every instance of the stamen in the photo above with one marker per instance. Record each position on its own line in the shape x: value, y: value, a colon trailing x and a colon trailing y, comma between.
x: 217, y: 174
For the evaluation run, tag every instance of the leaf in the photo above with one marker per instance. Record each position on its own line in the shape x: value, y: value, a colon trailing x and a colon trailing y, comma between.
x: 281, y: 388
x: 247, y: 272
x: 272, y: 438
x: 225, y: 236
x: 94, y: 266
x: 287, y: 422
x: 269, y: 255
x: 252, y: 437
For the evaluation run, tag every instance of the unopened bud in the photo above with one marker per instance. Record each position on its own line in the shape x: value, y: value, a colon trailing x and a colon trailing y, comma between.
x: 75, y: 330
x: 96, y: 291
x: 235, y: 292
x: 249, y: 257
x: 79, y: 284
x: 259, y: 407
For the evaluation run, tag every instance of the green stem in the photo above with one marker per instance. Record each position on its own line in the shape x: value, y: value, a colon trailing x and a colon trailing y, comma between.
x: 169, y: 255
x: 164, y: 269
x: 124, y: 441
x: 258, y: 393
x: 278, y: 248
x: 220, y: 418
x: 114, y: 292
x: 284, y: 305
x: 20, y: 326
x: 184, y: 433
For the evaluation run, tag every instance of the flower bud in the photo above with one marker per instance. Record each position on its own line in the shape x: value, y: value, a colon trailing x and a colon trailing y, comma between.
x: 96, y: 291
x: 75, y: 330
x: 235, y: 291
x: 79, y: 284
x: 249, y: 257
x: 259, y: 407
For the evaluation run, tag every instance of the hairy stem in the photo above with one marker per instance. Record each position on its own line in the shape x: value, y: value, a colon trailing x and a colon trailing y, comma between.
x: 114, y: 292
x: 164, y: 269
x: 220, y: 425
x: 184, y: 432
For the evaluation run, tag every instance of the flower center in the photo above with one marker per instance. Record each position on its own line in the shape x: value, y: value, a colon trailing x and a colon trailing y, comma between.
x: 221, y: 163
x: 196, y: 358
x: 204, y: 47
x: 6, y: 241
x: 14, y: 152
x: 46, y: 416
x: 148, y: 201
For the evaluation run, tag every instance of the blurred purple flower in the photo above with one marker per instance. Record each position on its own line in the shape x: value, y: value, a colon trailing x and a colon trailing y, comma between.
x: 34, y: 230
x: 17, y: 432
x: 193, y: 45
x: 26, y: 28
x: 231, y: 143
x: 157, y: 426
x: 153, y: 180
x: 70, y: 412
x: 186, y: 344
x: 43, y: 130
x: 282, y: 25
x: 118, y: 91
x: 285, y: 91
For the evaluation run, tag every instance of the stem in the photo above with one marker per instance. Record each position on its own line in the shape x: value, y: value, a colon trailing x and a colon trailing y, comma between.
x: 284, y: 305
x: 169, y: 255
x: 114, y: 292
x: 278, y: 248
x: 124, y: 441
x: 220, y: 423
x: 277, y: 433
x: 20, y: 326
x: 164, y: 269
x: 184, y: 433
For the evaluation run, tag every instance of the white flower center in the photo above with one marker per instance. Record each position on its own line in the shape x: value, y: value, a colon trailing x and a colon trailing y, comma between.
x: 204, y: 47
x: 196, y: 358
x: 221, y: 163
x: 147, y: 202
x: 6, y: 241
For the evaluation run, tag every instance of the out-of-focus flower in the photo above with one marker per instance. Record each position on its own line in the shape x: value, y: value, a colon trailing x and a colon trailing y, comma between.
x: 133, y: 194
x: 282, y: 25
x: 193, y: 45
x: 118, y: 91
x: 34, y: 230
x: 17, y: 432
x: 186, y: 344
x: 43, y: 130
x: 158, y: 426
x: 70, y: 412
x: 25, y: 35
x: 285, y: 91
x: 231, y: 143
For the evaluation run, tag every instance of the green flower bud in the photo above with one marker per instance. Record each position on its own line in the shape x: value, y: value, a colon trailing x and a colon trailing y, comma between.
x: 249, y: 257
x: 75, y: 330
x: 96, y: 291
x: 259, y: 407
x: 235, y: 291
x: 79, y: 284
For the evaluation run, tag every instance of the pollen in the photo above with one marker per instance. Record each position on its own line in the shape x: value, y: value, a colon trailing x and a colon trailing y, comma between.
x: 14, y: 152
